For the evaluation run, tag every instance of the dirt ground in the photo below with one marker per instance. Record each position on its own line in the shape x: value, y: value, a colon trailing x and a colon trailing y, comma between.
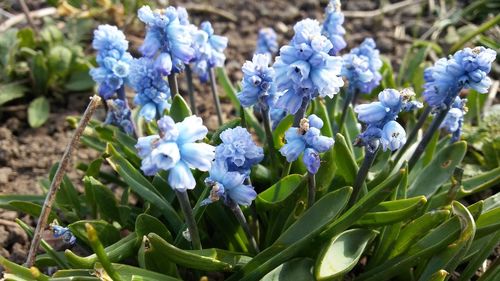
x: 27, y: 154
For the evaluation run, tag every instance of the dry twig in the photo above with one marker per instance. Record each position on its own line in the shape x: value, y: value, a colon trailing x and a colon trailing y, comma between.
x: 380, y: 11
x: 95, y: 101
x: 19, y: 18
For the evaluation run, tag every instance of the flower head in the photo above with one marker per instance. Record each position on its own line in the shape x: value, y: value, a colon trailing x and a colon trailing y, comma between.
x: 152, y: 90
x: 467, y: 68
x: 209, y: 50
x: 238, y: 150
x: 175, y: 150
x: 257, y: 85
x: 361, y: 67
x: 64, y: 232
x: 267, y: 42
x: 168, y: 39
x: 332, y: 26
x: 112, y: 58
x: 380, y: 118
x: 306, y: 139
x: 454, y: 119
x: 119, y: 115
x: 228, y: 186
x: 304, y: 69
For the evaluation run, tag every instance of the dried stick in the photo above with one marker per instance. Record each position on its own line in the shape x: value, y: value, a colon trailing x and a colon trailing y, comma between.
x: 380, y: 11
x: 19, y: 18
x: 95, y: 101
x: 26, y: 12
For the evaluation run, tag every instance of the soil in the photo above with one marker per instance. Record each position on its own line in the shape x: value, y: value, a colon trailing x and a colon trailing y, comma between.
x: 27, y: 154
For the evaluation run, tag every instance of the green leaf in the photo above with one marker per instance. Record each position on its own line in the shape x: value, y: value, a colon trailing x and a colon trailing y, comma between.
x: 104, y: 199
x: 295, y: 269
x: 274, y: 196
x: 488, y: 222
x: 487, y: 247
x: 107, y: 233
x: 179, y: 109
x: 79, y: 81
x: 347, y: 168
x: 297, y: 237
x: 342, y: 253
x: 11, y: 91
x: 30, y: 208
x: 26, y: 38
x: 416, y: 229
x: 438, y: 171
x: 21, y: 271
x: 390, y: 212
x: 5, y: 199
x: 40, y: 73
x: 38, y: 112
x: 59, y: 59
x: 140, y: 185
x: 185, y: 258
x: 228, y: 87
x: 153, y: 260
x: 449, y: 258
x: 126, y: 272
x: 116, y: 252
x: 279, y: 131
x: 145, y: 224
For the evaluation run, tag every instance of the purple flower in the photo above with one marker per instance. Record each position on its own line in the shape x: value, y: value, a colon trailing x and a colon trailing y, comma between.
x: 361, y: 67
x: 209, y: 50
x: 332, y: 27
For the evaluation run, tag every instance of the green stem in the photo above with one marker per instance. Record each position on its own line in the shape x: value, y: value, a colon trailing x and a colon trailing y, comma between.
x: 427, y: 137
x: 172, y: 82
x: 347, y: 101
x: 243, y: 117
x: 183, y: 198
x: 189, y: 80
x: 362, y: 173
x: 413, y: 133
x: 301, y: 112
x: 213, y: 87
x: 311, y: 184
x: 244, y: 224
x: 482, y: 28
x: 100, y: 253
x: 269, y: 135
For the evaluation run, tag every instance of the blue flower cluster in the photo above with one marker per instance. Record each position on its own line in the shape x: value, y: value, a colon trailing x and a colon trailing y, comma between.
x: 466, y: 69
x: 119, y: 115
x: 267, y: 42
x: 306, y: 139
x: 64, y: 232
x: 332, y: 27
x: 455, y: 118
x: 238, y: 150
x: 361, y: 67
x: 112, y: 58
x: 257, y: 85
x: 175, y: 150
x: 209, y: 50
x: 168, y: 39
x: 228, y: 185
x: 304, y: 69
x: 152, y: 90
x: 380, y: 117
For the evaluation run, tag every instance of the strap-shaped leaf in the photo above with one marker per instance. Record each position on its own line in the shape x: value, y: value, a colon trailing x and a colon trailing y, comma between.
x: 274, y: 196
x: 179, y: 109
x: 390, y: 212
x: 295, y: 269
x: 342, y: 253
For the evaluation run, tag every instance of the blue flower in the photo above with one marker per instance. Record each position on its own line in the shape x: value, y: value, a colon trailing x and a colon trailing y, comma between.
x: 380, y: 118
x: 304, y: 68
x: 176, y: 150
x: 257, y: 85
x: 361, y: 67
x: 152, y: 90
x: 168, y: 39
x: 393, y: 136
x: 119, y: 115
x: 209, y: 50
x: 306, y: 139
x: 467, y: 68
x: 454, y: 119
x: 112, y: 58
x: 238, y: 150
x: 230, y: 186
x: 267, y: 42
x: 332, y: 26
x: 64, y: 232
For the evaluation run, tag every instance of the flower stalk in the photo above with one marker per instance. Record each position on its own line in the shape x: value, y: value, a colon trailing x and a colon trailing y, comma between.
x: 362, y: 173
x: 269, y: 135
x: 172, y: 82
x: 95, y: 101
x: 98, y: 249
x: 348, y: 98
x: 238, y: 213
x: 413, y: 133
x: 189, y: 79
x: 213, y: 87
x: 183, y: 198
x: 311, y: 184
